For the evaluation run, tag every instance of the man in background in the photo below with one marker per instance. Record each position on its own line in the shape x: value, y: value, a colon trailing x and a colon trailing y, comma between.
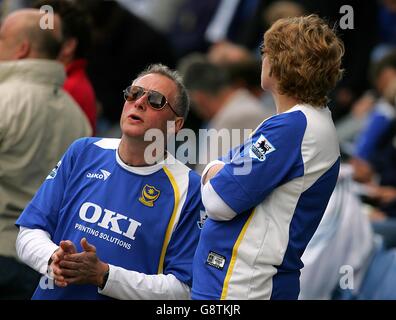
x: 76, y: 31
x: 39, y: 120
x: 224, y: 106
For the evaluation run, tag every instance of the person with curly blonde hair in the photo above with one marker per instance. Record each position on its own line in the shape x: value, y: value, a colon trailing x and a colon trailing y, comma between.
x: 265, y: 200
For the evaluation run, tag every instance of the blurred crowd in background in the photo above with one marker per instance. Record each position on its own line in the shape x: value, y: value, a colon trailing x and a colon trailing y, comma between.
x: 215, y: 44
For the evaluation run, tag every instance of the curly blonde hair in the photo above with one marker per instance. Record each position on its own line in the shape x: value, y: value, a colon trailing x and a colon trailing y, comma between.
x: 305, y: 57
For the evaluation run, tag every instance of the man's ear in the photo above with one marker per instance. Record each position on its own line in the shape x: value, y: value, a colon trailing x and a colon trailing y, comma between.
x: 179, y: 122
x: 23, y: 51
x: 68, y: 50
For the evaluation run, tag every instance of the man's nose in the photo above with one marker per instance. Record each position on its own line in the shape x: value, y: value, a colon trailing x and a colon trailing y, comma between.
x: 142, y: 102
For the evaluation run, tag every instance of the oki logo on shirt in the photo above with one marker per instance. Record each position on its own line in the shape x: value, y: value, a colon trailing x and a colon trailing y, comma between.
x: 101, y: 176
x: 107, y: 219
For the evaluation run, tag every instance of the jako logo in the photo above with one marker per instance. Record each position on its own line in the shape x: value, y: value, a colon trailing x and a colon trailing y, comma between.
x: 101, y: 176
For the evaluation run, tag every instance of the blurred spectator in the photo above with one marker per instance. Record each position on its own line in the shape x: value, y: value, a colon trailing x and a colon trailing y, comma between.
x: 370, y: 116
x: 387, y: 21
x: 282, y: 9
x: 76, y: 43
x: 39, y: 121
x: 243, y: 68
x: 378, y: 170
x: 386, y: 29
x: 218, y: 27
x: 222, y: 105
x: 123, y: 44
x: 187, y: 33
x: 225, y: 52
x: 359, y: 42
x: 379, y: 120
x: 253, y: 17
x: 344, y: 260
x: 7, y: 6
x: 350, y: 126
x: 159, y: 14
x: 384, y: 160
x: 344, y: 237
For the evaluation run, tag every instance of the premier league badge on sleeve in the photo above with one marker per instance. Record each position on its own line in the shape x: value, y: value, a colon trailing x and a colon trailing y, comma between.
x: 261, y: 148
x: 54, y: 171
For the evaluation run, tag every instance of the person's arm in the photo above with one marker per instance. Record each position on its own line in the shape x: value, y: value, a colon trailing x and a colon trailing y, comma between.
x: 216, y: 208
x: 173, y: 280
x: 213, y: 167
x: 211, y: 170
x: 271, y: 157
x: 35, y: 248
x: 127, y: 284
x: 119, y: 283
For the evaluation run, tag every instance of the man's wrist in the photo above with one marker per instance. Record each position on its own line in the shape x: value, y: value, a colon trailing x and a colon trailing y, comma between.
x: 50, y: 260
x: 104, y: 277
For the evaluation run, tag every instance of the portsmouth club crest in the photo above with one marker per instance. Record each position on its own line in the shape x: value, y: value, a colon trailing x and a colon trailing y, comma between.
x: 261, y: 148
x: 149, y: 195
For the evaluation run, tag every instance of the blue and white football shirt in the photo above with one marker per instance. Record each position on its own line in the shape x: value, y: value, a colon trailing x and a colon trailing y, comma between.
x: 139, y: 218
x: 279, y: 202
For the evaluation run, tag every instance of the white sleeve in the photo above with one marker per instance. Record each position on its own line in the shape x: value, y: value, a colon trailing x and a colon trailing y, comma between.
x: 131, y: 285
x: 35, y: 247
x: 216, y: 208
x: 208, y: 166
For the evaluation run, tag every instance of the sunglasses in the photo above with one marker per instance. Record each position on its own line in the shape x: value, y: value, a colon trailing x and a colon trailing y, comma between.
x: 156, y: 100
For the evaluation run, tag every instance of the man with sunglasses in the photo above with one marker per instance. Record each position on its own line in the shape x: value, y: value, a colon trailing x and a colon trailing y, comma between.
x: 136, y: 222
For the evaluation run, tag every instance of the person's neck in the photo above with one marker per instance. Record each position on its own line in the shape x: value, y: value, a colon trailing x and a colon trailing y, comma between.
x: 132, y: 152
x: 284, y: 103
x: 65, y: 60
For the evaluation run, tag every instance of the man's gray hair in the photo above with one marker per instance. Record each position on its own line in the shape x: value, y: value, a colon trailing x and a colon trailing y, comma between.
x: 182, y: 99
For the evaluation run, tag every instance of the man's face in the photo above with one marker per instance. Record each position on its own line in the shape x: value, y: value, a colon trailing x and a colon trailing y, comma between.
x: 137, y: 116
x: 267, y: 81
x: 385, y: 78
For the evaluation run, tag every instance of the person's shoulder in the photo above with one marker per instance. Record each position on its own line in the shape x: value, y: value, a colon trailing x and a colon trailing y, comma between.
x: 181, y: 171
x: 286, y: 123
x: 82, y: 144
x: 176, y: 166
x: 12, y: 92
x: 106, y: 143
